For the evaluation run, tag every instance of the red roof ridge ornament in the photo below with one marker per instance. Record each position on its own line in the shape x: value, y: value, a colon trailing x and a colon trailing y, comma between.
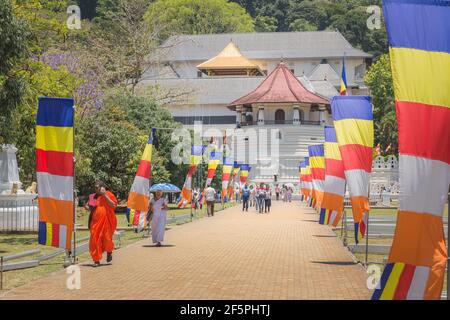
x: 281, y: 86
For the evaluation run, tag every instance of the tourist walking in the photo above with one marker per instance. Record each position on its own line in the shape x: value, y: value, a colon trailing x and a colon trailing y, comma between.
x: 277, y: 192
x: 289, y: 194
x: 102, y: 223
x: 158, y: 206
x: 268, y: 200
x: 261, y: 196
x: 245, y: 197
x: 210, y: 196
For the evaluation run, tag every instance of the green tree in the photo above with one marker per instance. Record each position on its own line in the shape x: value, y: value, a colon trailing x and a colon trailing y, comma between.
x: 379, y: 80
x: 302, y: 25
x: 13, y: 37
x: 265, y: 24
x: 199, y: 17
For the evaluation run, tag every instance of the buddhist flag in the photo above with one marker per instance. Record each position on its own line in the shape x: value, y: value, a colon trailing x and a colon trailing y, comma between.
x: 55, y: 171
x: 317, y: 163
x: 343, y: 89
x: 139, y: 196
x: 215, y: 158
x: 307, y: 180
x: 226, y: 174
x: 334, y: 188
x: 245, y: 170
x: 236, y: 169
x: 353, y: 121
x: 419, y: 34
x: 195, y: 159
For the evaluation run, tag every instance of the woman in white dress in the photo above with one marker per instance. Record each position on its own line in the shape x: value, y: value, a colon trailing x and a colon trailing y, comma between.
x: 158, y: 205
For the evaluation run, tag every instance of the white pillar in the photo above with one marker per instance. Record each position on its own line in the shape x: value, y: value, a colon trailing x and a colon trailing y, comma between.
x: 260, y: 115
x: 296, y: 116
x: 238, y: 115
x: 322, y: 116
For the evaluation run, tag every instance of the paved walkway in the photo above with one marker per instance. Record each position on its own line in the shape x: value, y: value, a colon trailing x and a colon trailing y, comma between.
x: 234, y: 255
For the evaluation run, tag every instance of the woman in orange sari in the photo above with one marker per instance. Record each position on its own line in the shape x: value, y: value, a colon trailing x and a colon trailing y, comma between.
x: 102, y: 223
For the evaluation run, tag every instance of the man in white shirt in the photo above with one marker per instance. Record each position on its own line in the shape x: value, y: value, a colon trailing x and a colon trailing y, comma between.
x: 210, y: 197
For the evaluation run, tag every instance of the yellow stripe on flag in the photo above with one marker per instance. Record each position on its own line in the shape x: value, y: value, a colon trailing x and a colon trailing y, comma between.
x: 421, y: 76
x: 354, y: 131
x: 147, y: 155
x: 49, y: 235
x: 332, y: 151
x: 54, y: 138
x: 317, y: 162
x: 391, y: 284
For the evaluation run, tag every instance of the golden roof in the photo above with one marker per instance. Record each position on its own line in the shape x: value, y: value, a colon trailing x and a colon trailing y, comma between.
x: 229, y: 58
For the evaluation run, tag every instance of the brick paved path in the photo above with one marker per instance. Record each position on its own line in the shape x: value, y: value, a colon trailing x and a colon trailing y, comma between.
x: 233, y: 255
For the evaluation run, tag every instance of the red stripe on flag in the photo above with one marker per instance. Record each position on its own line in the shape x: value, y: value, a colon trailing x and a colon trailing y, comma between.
x: 318, y: 173
x: 404, y: 283
x: 356, y: 156
x: 55, y: 235
x: 54, y: 162
x: 211, y: 173
x: 334, y: 168
x: 423, y: 130
x: 144, y: 169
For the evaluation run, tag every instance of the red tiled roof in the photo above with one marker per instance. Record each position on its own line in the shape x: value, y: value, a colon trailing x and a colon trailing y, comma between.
x: 280, y: 86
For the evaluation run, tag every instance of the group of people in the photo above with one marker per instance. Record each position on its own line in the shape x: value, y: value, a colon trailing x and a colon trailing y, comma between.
x: 260, y: 197
x: 102, y: 221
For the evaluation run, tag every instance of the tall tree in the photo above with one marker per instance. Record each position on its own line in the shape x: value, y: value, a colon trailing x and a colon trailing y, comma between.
x: 379, y: 81
x: 13, y: 39
x: 199, y: 17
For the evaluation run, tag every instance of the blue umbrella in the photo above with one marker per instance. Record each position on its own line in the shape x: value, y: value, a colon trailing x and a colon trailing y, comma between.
x: 165, y: 187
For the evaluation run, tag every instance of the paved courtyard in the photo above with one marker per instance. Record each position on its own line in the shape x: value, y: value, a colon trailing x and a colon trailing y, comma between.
x: 234, y: 255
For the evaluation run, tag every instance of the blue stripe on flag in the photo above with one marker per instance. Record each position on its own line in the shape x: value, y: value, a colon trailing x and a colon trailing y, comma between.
x: 351, y: 107
x: 55, y: 112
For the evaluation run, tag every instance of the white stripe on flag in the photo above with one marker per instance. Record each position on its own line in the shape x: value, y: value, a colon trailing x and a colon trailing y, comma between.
x: 423, y: 185
x: 358, y: 182
x: 62, y: 235
x: 418, y: 284
x: 308, y: 185
x: 318, y: 185
x: 141, y: 185
x: 333, y: 216
x: 55, y: 187
x: 334, y: 185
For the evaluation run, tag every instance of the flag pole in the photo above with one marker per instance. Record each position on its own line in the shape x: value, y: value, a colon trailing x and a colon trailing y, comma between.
x: 74, y: 194
x: 448, y: 245
x: 367, y: 228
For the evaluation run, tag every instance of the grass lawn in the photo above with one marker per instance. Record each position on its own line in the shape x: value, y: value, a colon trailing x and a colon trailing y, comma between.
x: 17, y: 243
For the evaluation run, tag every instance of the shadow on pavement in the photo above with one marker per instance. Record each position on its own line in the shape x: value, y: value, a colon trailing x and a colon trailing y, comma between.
x: 154, y: 246
x: 336, y: 263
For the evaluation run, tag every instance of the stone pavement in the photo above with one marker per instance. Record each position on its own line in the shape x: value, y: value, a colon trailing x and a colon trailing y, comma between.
x: 234, y: 255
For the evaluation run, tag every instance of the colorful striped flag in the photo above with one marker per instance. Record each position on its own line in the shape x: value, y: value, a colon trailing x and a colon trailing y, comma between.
x: 317, y: 163
x: 334, y: 188
x: 215, y: 158
x: 186, y: 193
x: 139, y: 196
x: 236, y: 169
x: 353, y: 121
x: 245, y: 171
x: 226, y: 173
x: 343, y: 89
x: 307, y: 181
x: 419, y: 34
x: 55, y: 171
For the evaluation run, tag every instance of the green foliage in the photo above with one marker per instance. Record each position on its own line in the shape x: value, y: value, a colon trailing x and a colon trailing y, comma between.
x: 379, y: 80
x: 13, y: 35
x: 199, y: 17
x: 265, y: 24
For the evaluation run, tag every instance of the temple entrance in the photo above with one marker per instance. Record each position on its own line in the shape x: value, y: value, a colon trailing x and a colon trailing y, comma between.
x: 280, y: 116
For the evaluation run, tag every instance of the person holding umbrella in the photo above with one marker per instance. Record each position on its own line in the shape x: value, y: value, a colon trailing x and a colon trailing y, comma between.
x: 158, y: 207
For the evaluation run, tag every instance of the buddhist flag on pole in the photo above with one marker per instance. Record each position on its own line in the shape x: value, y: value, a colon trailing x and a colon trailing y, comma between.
x: 195, y: 159
x: 55, y: 171
x: 343, y: 89
x: 139, y: 196
x: 334, y: 188
x: 307, y: 180
x: 236, y: 169
x: 215, y: 158
x: 226, y: 174
x: 245, y: 170
x: 317, y: 163
x: 353, y: 121
x: 419, y: 34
